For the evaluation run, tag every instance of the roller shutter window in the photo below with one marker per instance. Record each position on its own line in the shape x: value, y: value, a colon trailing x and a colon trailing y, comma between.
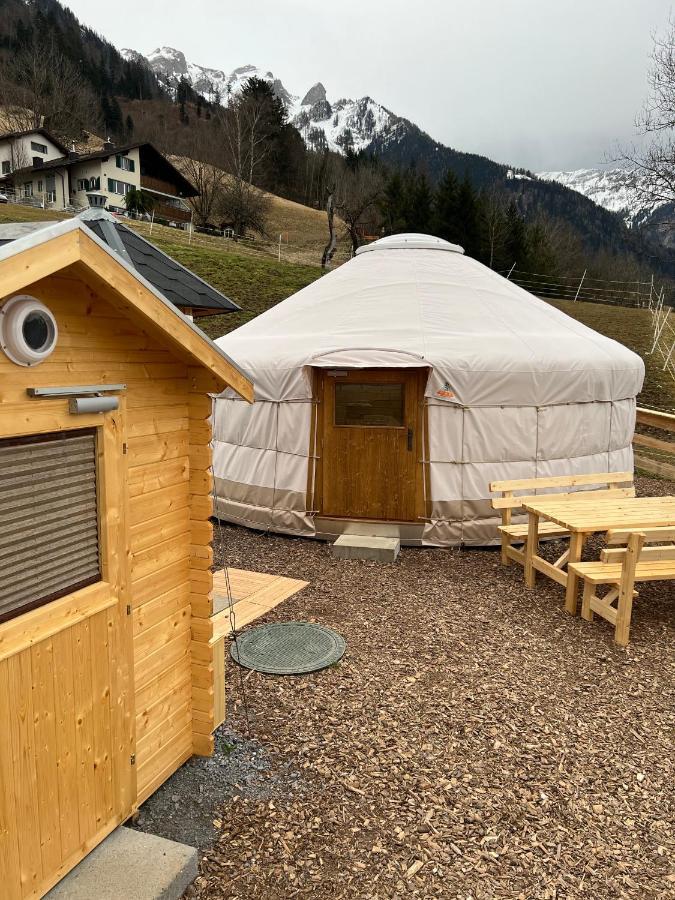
x: 49, y: 539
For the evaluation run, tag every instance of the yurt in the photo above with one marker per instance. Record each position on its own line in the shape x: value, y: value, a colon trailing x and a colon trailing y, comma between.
x: 392, y: 391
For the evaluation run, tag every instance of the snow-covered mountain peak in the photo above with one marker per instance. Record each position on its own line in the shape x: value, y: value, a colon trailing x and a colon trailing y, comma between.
x: 616, y: 188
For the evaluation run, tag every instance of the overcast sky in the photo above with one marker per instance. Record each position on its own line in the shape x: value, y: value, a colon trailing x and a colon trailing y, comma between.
x: 547, y: 84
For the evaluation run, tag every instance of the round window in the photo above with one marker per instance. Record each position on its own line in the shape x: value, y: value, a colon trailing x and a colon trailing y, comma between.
x: 28, y: 330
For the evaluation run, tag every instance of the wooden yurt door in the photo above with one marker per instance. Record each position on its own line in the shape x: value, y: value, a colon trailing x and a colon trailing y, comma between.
x: 370, y: 443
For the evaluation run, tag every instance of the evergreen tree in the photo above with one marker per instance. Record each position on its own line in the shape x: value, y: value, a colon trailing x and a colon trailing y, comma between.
x: 468, y: 214
x: 540, y: 255
x: 129, y: 126
x: 418, y: 203
x: 446, y: 216
x: 515, y: 245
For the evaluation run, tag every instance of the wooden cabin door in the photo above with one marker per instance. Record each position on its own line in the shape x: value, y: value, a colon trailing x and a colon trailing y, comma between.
x: 370, y: 449
x: 67, y: 775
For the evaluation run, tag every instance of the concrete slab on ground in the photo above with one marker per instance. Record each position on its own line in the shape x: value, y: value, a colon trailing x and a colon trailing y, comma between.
x: 363, y: 546
x: 130, y: 865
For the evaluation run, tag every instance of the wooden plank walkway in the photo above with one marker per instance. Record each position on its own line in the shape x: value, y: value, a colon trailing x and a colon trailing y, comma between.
x: 253, y: 595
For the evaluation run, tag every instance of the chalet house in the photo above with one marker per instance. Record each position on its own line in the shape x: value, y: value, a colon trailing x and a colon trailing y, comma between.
x: 20, y: 149
x: 60, y: 179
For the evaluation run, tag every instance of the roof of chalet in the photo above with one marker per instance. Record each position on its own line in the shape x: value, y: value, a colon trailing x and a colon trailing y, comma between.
x: 73, y: 159
x: 178, y: 284
x: 42, y: 131
x: 76, y: 243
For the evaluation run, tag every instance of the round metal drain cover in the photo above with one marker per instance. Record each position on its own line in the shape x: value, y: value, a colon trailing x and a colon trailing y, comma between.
x: 288, y: 648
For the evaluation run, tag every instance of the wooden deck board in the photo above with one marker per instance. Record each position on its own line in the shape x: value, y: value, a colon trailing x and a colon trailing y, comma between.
x: 253, y: 593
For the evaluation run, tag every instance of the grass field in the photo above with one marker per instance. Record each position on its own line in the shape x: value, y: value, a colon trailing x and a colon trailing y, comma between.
x: 631, y: 327
x: 254, y: 279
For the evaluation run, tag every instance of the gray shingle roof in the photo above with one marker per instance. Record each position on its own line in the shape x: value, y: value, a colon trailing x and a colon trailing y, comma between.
x: 178, y: 284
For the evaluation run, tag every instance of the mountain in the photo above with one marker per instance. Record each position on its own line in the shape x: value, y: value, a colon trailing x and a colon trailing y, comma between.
x: 363, y: 124
x: 616, y: 189
x: 170, y: 66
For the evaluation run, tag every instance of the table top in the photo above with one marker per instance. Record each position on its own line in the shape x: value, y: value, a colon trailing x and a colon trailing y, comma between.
x: 589, y: 512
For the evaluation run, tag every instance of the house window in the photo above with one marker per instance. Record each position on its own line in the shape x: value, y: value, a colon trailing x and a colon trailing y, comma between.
x: 83, y: 184
x: 119, y: 187
x: 38, y: 148
x: 41, y: 185
x: 28, y: 189
x: 5, y: 167
x: 49, y: 542
x: 124, y: 162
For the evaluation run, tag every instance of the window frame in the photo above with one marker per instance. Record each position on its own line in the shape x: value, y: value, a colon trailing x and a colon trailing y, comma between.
x: 39, y: 148
x: 43, y: 438
x: 125, y: 163
x: 402, y: 384
x: 116, y: 182
x: 111, y: 501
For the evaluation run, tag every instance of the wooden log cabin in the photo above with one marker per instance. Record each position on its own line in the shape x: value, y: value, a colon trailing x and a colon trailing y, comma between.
x: 109, y: 675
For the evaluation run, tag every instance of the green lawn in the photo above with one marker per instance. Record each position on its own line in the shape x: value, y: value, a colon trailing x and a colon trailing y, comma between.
x: 633, y: 328
x: 254, y: 283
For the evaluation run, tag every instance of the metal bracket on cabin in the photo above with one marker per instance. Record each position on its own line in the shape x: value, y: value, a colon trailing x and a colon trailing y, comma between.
x: 78, y: 390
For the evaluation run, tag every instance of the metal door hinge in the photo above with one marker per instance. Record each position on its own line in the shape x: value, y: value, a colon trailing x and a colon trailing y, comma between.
x: 132, y: 759
x: 128, y: 609
x: 410, y: 439
x: 124, y: 449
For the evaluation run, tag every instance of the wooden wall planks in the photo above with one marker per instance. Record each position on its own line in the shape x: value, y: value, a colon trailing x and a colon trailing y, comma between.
x: 66, y: 680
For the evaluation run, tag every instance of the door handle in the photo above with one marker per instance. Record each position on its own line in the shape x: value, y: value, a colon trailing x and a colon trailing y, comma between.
x: 410, y: 439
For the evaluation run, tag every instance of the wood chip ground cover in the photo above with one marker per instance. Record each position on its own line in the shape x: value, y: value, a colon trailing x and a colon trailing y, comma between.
x: 475, y: 741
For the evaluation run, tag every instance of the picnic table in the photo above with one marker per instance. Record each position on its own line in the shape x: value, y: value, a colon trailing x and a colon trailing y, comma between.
x: 584, y: 514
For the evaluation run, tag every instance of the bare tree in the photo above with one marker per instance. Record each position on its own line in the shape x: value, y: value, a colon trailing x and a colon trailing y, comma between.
x: 493, y: 210
x: 655, y: 165
x: 245, y: 146
x: 41, y: 87
x: 331, y: 246
x: 356, y: 193
x: 244, y: 206
x: 209, y: 179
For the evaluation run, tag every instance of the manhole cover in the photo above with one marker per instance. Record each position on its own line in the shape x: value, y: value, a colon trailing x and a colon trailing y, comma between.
x: 288, y: 648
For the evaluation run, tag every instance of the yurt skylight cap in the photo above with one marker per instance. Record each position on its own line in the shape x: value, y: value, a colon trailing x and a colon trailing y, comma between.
x: 410, y: 242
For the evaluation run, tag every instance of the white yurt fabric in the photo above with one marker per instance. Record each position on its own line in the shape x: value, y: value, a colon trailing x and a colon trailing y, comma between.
x: 515, y: 387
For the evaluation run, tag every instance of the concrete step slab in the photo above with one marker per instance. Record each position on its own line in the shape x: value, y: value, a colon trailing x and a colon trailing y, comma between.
x: 363, y: 546
x: 130, y: 865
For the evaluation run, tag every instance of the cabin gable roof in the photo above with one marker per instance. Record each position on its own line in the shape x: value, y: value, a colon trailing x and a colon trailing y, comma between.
x: 44, y: 252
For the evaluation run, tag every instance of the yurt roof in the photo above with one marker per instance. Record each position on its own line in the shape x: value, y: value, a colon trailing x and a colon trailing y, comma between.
x: 414, y: 300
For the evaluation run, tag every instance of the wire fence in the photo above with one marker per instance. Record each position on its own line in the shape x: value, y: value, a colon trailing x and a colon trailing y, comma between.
x: 584, y: 287
x: 663, y: 332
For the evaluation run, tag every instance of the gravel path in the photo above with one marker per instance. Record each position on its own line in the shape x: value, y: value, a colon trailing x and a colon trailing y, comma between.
x: 475, y: 741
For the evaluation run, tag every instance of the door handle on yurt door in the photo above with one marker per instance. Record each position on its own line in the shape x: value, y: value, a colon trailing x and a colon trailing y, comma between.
x: 410, y: 439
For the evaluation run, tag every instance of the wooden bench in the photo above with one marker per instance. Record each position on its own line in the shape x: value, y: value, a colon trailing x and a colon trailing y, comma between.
x: 507, y: 503
x: 621, y: 568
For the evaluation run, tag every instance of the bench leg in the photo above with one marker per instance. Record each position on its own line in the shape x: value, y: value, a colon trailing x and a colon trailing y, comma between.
x: 624, y: 606
x: 576, y: 549
x: 531, y: 549
x: 586, y: 611
x: 624, y: 610
x: 506, y: 542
